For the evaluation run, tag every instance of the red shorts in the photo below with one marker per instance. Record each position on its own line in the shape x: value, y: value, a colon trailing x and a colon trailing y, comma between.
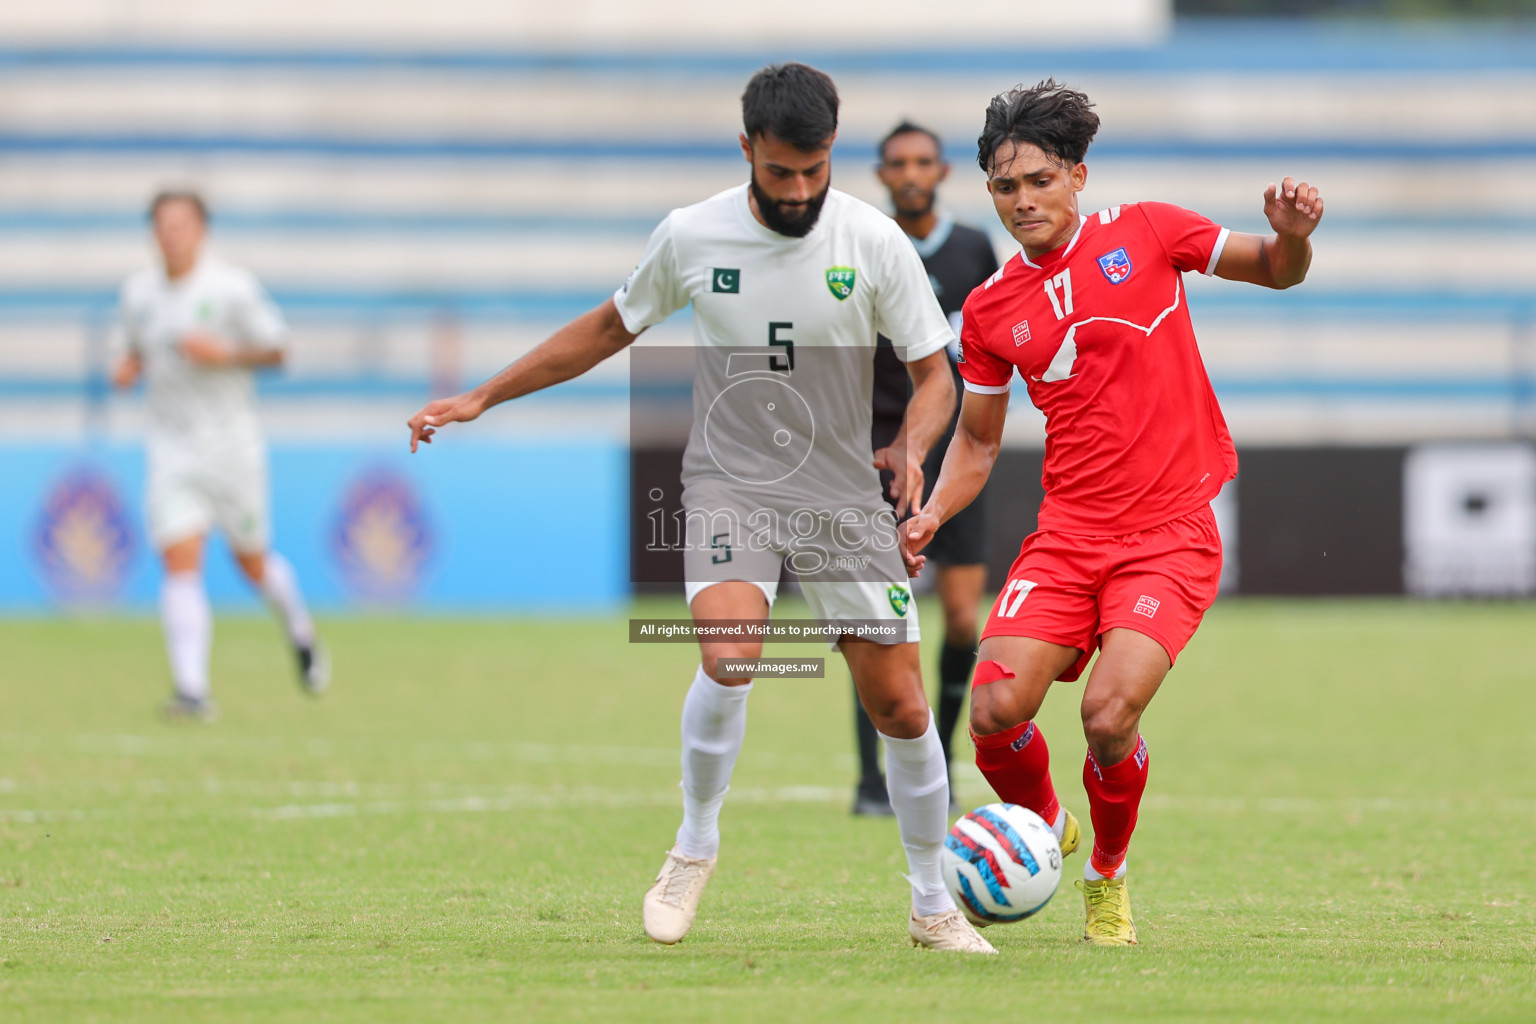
x: 1069, y: 589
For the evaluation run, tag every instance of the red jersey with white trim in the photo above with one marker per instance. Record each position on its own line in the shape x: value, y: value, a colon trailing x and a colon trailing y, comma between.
x: 1099, y: 330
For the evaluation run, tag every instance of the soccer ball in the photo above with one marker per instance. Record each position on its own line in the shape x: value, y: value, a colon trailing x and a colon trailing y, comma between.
x: 1001, y: 863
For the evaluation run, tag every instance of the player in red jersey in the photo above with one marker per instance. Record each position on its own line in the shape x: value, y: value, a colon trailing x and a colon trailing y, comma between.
x: 1092, y: 315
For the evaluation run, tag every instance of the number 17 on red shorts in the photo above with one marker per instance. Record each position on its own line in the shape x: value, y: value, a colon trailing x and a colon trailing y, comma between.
x: 1070, y: 589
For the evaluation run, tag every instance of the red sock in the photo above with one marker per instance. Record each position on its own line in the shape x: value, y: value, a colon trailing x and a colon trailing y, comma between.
x: 1018, y: 765
x: 1114, y: 794
x: 1016, y: 762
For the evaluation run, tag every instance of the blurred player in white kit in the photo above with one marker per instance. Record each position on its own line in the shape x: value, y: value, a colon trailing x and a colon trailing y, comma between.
x: 195, y: 329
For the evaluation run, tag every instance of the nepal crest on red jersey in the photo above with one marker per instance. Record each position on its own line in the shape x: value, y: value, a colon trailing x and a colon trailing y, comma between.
x: 1116, y: 265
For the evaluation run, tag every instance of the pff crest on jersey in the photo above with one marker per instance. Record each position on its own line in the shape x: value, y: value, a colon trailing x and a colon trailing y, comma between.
x: 1116, y: 265
x: 840, y: 281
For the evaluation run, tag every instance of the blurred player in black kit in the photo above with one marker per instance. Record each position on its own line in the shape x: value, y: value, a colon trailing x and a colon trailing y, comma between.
x: 958, y: 258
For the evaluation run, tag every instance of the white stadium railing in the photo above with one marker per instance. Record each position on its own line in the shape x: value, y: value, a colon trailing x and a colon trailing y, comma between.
x: 392, y: 197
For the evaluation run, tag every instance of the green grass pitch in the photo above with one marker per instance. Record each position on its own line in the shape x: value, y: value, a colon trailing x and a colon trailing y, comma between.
x: 1341, y: 826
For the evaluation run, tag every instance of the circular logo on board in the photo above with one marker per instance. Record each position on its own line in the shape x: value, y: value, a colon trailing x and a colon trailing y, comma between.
x: 84, y: 541
x: 381, y: 538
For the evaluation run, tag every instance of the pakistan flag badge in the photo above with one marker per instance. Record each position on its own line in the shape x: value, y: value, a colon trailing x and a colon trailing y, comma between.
x: 840, y: 282
x: 900, y: 597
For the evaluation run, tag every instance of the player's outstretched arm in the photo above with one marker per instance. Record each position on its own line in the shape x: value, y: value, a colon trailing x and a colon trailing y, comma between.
x: 1280, y: 260
x: 569, y: 352
x: 967, y: 464
x: 928, y: 413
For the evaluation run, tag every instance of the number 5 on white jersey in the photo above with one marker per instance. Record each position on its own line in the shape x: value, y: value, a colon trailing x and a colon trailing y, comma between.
x: 1013, y: 595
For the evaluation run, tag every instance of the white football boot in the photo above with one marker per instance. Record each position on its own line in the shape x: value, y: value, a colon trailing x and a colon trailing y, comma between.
x: 949, y: 931
x: 673, y: 899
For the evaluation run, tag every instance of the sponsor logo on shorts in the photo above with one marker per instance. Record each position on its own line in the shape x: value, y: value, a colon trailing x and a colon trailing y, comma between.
x: 1146, y: 606
x: 84, y: 541
x: 900, y: 597
x: 1020, y: 333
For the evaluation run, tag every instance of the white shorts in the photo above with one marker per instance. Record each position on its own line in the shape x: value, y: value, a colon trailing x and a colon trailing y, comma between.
x: 843, y: 602
x: 188, y: 495
x: 853, y: 579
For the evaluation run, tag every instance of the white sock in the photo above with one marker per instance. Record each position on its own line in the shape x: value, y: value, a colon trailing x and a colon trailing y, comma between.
x: 916, y: 776
x: 280, y: 586
x: 1059, y: 826
x: 714, y: 724
x: 1091, y: 874
x: 188, y: 623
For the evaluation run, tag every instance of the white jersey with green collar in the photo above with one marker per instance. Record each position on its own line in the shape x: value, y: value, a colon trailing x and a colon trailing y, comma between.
x: 800, y: 312
x: 194, y: 408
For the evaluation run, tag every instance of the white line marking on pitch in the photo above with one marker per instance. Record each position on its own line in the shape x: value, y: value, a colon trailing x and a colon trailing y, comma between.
x: 550, y: 797
x: 215, y: 744
x: 508, y: 800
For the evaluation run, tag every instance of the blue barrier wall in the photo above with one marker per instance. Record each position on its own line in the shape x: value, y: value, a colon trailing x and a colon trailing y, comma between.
x: 463, y: 526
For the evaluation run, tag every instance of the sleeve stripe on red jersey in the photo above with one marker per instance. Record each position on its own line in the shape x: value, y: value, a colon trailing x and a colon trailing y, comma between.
x: 1221, y: 243
x: 987, y: 389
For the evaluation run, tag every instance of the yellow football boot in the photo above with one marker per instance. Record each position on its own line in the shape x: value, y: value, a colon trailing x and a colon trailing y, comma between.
x: 1108, y: 902
x: 1071, y: 834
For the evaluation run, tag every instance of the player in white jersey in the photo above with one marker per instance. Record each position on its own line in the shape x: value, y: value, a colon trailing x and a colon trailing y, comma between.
x: 790, y: 282
x: 195, y: 329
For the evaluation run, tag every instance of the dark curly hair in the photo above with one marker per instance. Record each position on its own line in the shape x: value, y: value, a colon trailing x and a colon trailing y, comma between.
x: 1059, y: 120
